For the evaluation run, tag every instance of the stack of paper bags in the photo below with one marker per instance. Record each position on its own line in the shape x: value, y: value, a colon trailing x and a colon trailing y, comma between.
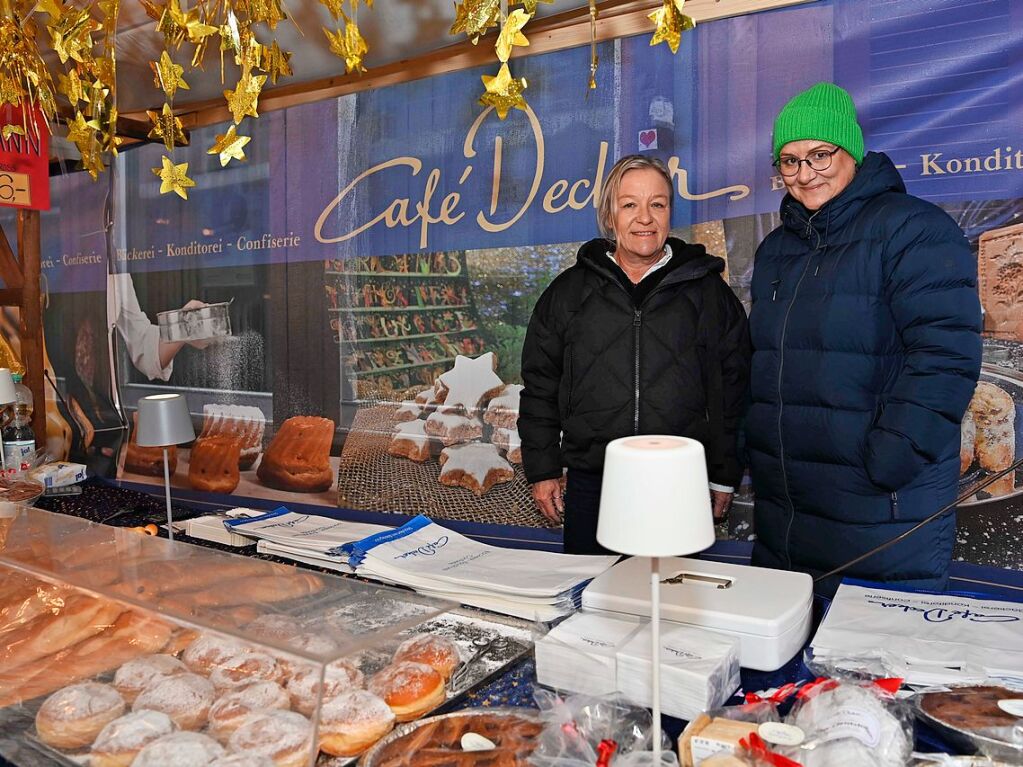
x: 927, y: 639
x: 437, y: 561
x: 580, y: 653
x: 308, y: 538
x: 699, y: 669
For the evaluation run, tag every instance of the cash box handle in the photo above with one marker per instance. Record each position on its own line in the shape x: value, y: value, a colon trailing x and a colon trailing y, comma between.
x: 708, y: 580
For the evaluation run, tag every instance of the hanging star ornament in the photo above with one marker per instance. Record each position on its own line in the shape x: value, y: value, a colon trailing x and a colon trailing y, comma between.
x: 670, y: 23
x: 80, y: 132
x: 530, y: 5
x: 230, y: 146
x: 511, y: 34
x: 71, y: 86
x: 167, y: 75
x: 195, y: 28
x: 503, y: 92
x: 475, y: 17
x: 348, y: 45
x: 174, y: 178
x: 167, y: 127
x: 12, y: 130
x: 243, y: 100
x: 276, y: 62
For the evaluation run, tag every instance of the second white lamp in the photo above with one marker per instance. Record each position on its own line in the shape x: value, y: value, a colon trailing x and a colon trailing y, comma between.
x: 655, y: 502
x: 164, y: 420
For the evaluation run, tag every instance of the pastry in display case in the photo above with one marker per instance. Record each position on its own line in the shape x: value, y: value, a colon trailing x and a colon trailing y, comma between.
x: 118, y: 649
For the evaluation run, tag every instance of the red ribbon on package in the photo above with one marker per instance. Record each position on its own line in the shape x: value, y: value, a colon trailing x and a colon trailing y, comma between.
x: 758, y: 748
x: 24, y: 159
x: 777, y: 697
x: 605, y: 750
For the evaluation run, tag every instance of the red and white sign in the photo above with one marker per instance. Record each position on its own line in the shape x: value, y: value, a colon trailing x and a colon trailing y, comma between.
x: 24, y: 160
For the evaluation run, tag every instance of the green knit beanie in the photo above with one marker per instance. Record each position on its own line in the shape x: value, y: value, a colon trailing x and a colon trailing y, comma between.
x: 823, y: 112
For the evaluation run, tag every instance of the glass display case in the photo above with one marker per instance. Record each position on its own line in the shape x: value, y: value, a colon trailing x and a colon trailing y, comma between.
x: 124, y: 648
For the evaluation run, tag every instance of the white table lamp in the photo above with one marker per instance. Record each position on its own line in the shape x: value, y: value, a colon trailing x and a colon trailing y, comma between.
x: 7, y: 396
x: 655, y: 502
x: 164, y: 420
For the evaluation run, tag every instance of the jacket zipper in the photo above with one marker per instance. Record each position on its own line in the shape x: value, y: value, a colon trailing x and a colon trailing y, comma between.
x: 637, y: 324
x: 895, y: 505
x: 781, y: 410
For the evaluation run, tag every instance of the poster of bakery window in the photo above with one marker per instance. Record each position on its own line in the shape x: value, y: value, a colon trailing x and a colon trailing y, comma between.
x: 382, y: 248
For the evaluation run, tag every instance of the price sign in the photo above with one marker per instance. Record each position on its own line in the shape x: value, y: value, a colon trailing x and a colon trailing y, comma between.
x: 24, y: 160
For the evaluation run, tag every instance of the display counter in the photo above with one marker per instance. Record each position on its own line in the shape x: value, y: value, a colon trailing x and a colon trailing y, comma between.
x: 121, y: 646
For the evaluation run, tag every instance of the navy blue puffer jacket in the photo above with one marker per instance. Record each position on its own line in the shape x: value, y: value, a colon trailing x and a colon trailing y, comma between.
x: 866, y: 336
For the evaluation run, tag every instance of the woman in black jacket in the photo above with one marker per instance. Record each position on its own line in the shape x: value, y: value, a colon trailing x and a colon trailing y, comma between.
x: 640, y: 336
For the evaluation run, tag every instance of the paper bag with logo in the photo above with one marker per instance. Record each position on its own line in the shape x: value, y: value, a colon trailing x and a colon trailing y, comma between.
x: 924, y: 638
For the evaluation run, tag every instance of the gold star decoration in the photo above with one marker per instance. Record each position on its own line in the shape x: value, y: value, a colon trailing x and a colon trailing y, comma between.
x: 196, y: 29
x: 671, y: 23
x: 348, y: 45
x: 71, y: 37
x: 167, y: 75
x: 80, y: 132
x: 530, y: 5
x: 503, y: 92
x: 92, y: 162
x: 276, y: 62
x: 511, y: 34
x: 230, y: 146
x: 71, y: 86
x: 475, y: 17
x: 174, y: 178
x: 11, y: 130
x: 167, y: 127
x: 244, y: 98
x: 53, y: 8
x: 335, y: 7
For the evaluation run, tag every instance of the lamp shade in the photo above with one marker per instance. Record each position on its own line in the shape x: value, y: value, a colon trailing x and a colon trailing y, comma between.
x: 655, y: 500
x: 7, y: 393
x: 164, y: 420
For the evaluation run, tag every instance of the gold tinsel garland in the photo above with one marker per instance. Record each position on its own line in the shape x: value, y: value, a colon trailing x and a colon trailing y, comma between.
x: 83, y: 36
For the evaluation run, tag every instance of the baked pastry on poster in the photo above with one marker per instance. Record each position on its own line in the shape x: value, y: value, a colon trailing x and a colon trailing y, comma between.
x: 450, y: 450
x: 231, y: 456
x: 992, y: 435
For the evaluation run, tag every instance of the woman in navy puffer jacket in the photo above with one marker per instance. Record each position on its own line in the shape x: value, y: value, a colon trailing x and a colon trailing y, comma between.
x: 866, y: 335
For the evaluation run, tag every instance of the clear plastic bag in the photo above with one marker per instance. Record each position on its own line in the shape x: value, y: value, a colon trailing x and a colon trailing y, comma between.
x: 719, y: 731
x: 582, y: 731
x: 847, y: 723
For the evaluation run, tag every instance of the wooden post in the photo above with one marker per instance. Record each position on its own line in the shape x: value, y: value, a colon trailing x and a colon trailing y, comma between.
x: 29, y: 247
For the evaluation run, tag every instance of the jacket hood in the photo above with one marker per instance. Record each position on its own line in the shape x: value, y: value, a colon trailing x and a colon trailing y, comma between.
x: 688, y: 261
x: 876, y: 175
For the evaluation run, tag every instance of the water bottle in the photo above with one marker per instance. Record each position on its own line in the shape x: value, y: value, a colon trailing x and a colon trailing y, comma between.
x: 19, y: 439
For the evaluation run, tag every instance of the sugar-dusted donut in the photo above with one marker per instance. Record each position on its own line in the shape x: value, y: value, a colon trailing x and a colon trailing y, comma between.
x: 352, y: 722
x: 73, y: 716
x: 185, y: 698
x: 231, y: 709
x: 410, y: 689
x: 284, y: 736
x: 121, y: 740
x: 137, y: 674
x: 437, y: 652
x: 244, y: 669
x: 180, y: 749
x: 305, y: 689
x: 209, y: 651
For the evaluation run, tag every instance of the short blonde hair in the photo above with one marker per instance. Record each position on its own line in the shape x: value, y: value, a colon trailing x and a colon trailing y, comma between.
x: 609, y: 192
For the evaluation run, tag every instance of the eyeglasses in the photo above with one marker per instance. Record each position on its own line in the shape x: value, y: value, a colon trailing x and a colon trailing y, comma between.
x: 817, y: 161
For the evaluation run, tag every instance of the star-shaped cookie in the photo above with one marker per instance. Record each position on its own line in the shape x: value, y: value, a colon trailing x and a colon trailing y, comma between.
x: 470, y: 382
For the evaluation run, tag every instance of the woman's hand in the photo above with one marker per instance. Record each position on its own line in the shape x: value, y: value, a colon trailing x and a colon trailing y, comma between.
x: 719, y: 503
x: 547, y: 494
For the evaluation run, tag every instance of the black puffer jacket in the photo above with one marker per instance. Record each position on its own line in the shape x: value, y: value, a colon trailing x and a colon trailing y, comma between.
x: 597, y: 367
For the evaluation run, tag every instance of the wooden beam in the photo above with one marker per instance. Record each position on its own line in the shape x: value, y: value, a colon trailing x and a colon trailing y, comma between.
x: 10, y: 272
x: 29, y: 247
x: 564, y: 30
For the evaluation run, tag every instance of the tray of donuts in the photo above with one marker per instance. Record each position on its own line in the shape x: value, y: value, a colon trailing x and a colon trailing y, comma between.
x: 210, y: 698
